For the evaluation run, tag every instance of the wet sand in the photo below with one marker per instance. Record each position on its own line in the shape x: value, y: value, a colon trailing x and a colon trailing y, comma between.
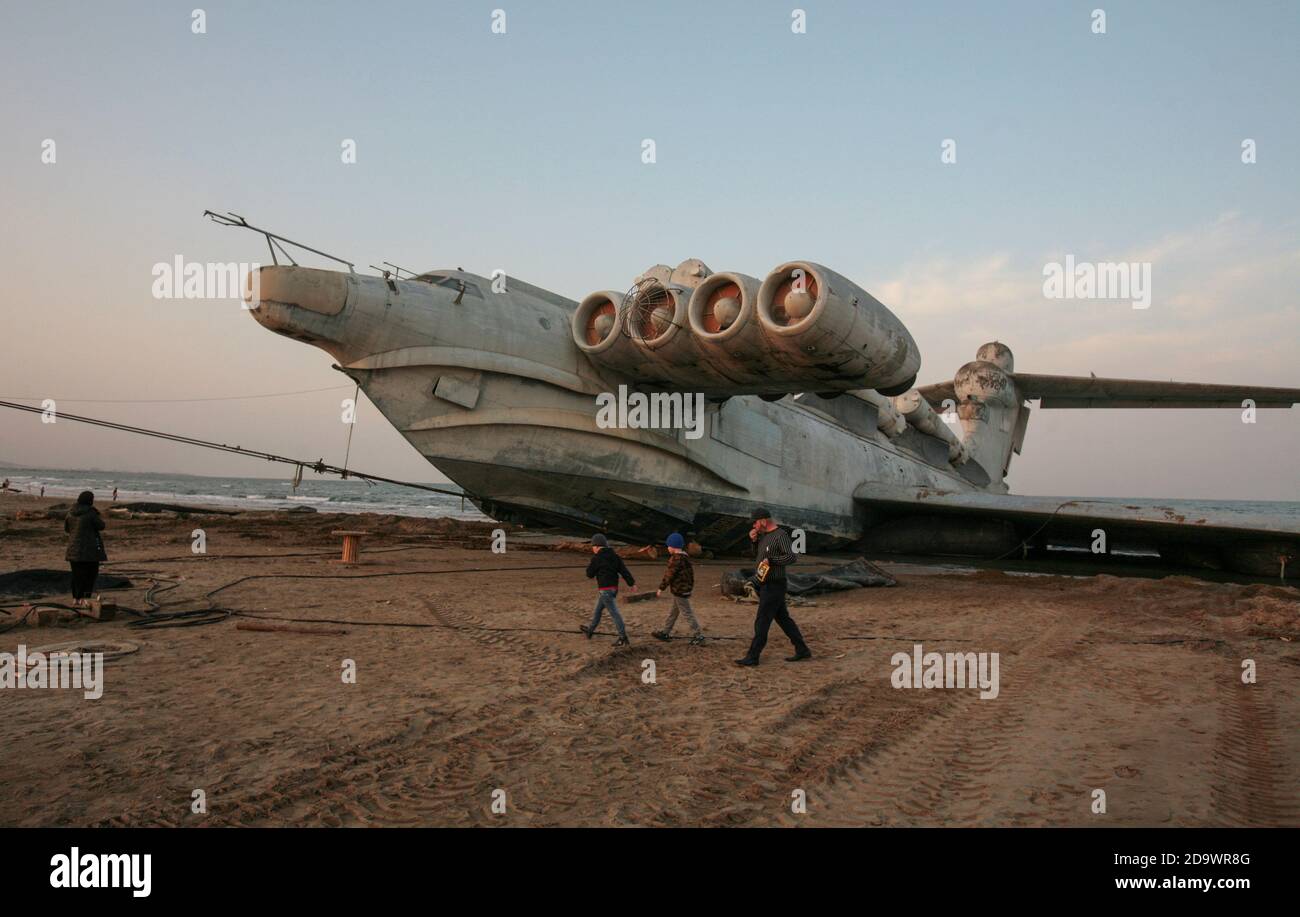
x: 1127, y: 685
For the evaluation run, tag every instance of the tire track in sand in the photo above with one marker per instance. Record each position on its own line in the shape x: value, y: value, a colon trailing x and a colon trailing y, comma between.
x: 447, y: 778
x: 538, y: 660
x: 937, y: 772
x: 1247, y: 772
x: 416, y: 772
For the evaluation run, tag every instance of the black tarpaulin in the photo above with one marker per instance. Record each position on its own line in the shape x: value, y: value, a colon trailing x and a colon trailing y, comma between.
x: 854, y: 575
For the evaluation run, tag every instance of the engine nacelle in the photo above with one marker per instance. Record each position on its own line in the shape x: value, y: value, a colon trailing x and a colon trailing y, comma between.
x: 723, y: 315
x: 913, y: 406
x: 804, y: 328
x: 888, y: 420
x: 834, y: 333
x: 655, y: 314
x: 598, y: 330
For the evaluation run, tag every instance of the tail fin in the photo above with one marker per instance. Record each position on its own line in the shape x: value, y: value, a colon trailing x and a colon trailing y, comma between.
x: 992, y: 410
x: 989, y: 397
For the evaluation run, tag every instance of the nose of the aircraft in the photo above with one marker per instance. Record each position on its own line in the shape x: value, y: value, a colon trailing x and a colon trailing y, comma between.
x: 322, y: 292
x: 351, y: 316
x: 306, y: 304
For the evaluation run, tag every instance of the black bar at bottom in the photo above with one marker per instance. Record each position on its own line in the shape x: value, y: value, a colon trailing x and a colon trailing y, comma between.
x: 638, y: 868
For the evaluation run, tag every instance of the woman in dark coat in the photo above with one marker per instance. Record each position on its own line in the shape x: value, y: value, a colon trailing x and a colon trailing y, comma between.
x: 85, y: 547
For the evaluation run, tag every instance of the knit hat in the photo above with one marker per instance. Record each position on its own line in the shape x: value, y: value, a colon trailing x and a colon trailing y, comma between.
x: 600, y: 540
x: 760, y: 513
x: 675, y: 540
x: 86, y: 498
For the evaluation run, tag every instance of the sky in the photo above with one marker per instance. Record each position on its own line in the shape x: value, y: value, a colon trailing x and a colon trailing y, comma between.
x: 524, y: 151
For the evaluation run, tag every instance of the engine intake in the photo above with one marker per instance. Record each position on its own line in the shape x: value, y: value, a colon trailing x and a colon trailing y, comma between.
x: 598, y: 329
x: 834, y: 332
x: 723, y: 315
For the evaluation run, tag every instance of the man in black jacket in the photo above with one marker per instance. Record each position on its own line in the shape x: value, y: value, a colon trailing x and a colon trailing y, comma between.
x: 606, y: 567
x: 773, y: 552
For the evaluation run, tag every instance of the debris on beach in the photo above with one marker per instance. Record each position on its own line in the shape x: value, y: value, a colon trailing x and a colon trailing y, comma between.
x: 290, y: 628
x: 857, y: 574
x: 144, y: 510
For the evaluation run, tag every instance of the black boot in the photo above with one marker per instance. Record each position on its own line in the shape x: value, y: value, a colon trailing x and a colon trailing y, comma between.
x: 800, y: 655
x: 747, y: 661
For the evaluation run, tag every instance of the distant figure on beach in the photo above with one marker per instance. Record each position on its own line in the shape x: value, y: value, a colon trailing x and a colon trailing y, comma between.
x: 85, y: 547
x: 114, y: 494
x: 773, y: 552
x: 606, y: 567
x: 5, y: 486
x: 42, y: 490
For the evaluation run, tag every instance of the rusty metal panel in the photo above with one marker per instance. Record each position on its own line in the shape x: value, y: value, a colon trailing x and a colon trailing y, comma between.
x: 747, y: 431
x: 463, y: 392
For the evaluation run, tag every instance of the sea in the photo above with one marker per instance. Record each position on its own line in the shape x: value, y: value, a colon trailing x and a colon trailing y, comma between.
x: 327, y: 495
x: 353, y: 496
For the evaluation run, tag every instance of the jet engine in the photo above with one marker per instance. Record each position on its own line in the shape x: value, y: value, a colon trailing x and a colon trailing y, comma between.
x: 723, y: 314
x: 913, y: 406
x: 598, y: 329
x: 669, y: 355
x: 834, y: 332
x: 804, y: 328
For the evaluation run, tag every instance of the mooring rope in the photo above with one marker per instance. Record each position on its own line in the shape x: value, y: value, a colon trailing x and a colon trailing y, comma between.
x: 304, y: 391
x: 317, y: 466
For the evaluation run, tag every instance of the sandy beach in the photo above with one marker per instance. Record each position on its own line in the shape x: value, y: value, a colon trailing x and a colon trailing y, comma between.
x: 1131, y: 686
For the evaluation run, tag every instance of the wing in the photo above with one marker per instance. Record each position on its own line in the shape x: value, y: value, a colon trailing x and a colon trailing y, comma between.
x: 1132, y: 523
x: 1094, y: 392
